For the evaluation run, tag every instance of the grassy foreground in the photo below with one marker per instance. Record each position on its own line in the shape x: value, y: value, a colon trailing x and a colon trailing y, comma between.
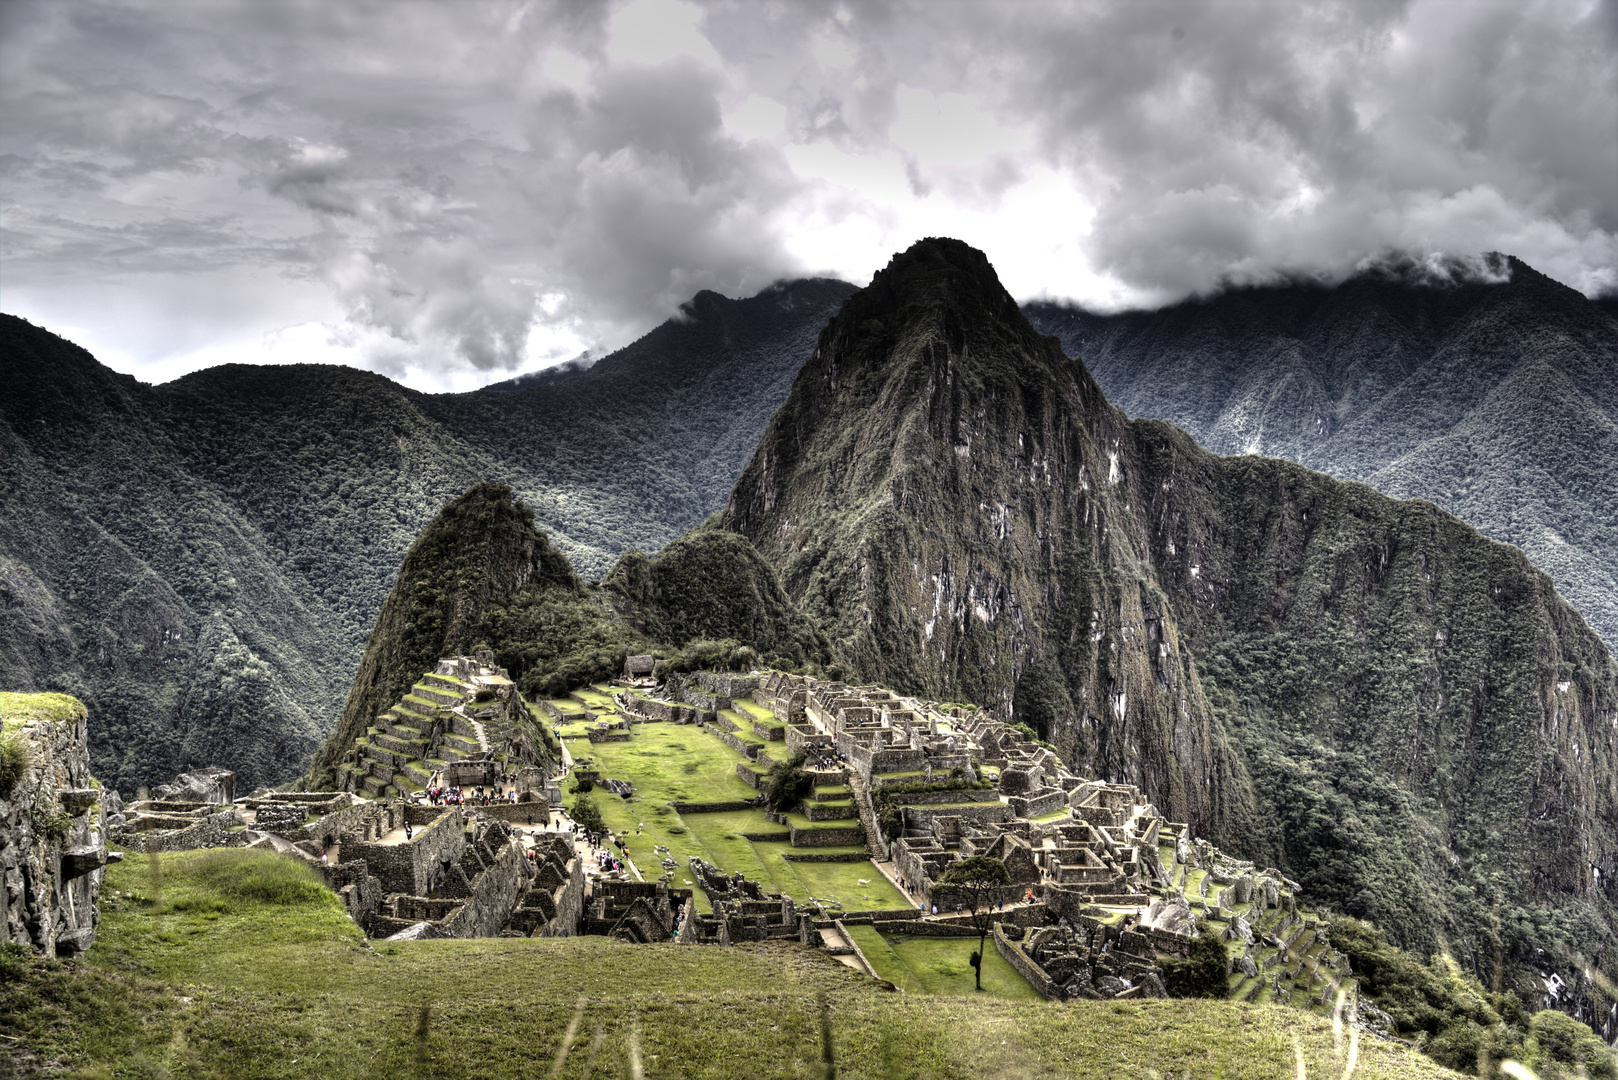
x: 236, y: 964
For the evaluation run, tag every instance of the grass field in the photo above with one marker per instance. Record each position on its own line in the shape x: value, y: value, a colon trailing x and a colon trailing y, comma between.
x: 683, y: 763
x: 928, y: 965
x: 238, y: 965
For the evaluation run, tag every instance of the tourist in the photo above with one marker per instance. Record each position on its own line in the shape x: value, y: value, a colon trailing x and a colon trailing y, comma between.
x: 408, y: 831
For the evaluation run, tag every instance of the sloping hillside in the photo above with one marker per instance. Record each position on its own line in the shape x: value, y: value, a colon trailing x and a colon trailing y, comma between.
x: 201, y: 562
x: 1497, y: 400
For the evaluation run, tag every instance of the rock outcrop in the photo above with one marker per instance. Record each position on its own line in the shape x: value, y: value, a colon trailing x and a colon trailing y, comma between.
x: 52, y: 825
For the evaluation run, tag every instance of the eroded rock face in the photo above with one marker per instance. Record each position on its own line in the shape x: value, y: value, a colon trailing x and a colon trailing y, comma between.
x: 53, y: 849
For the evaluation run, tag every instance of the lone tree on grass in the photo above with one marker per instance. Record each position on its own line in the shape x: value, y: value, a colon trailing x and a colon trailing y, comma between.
x: 787, y: 784
x: 977, y: 881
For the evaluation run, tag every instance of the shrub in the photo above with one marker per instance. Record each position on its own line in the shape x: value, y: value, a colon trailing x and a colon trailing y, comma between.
x: 588, y: 814
x: 1200, y: 975
x: 786, y: 785
x: 16, y: 758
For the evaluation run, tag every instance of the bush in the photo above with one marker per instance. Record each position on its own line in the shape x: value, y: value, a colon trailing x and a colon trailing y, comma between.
x: 1200, y: 975
x: 892, y: 822
x: 588, y: 814
x: 1561, y: 1046
x: 16, y: 758
x: 786, y: 785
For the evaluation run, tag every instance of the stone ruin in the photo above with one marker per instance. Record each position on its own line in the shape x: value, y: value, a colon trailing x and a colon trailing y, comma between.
x: 464, y: 718
x: 743, y: 911
x: 53, y: 833
x: 1084, y: 855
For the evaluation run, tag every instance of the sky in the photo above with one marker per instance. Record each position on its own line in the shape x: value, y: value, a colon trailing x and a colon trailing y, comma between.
x: 454, y: 192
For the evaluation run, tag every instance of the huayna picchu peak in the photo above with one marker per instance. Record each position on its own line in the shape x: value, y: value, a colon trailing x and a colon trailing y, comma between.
x: 1364, y: 692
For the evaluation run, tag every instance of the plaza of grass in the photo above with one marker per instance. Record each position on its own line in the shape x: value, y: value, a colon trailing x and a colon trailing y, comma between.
x: 686, y: 764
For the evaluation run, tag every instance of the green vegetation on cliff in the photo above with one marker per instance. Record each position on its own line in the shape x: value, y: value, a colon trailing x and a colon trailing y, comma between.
x: 1496, y: 399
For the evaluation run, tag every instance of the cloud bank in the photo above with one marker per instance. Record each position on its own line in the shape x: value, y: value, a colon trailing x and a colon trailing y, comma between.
x: 450, y: 192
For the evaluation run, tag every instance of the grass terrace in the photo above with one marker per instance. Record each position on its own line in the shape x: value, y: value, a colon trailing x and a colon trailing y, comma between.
x: 237, y: 964
x: 929, y: 965
x: 670, y: 763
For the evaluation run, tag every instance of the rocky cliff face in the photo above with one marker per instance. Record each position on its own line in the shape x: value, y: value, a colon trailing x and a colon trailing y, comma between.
x: 943, y: 488
x: 52, y: 825
x: 1493, y: 395
x: 1401, y: 714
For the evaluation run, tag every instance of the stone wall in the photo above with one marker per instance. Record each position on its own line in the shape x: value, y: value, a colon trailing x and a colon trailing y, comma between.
x: 728, y: 685
x: 827, y: 837
x: 52, y: 837
x: 356, y: 887
x: 569, y: 901
x: 924, y: 798
x: 1034, y: 806
x: 494, y: 894
x: 205, y: 832
x: 414, y: 867
x: 1025, y: 967
x: 982, y: 813
x: 747, y: 750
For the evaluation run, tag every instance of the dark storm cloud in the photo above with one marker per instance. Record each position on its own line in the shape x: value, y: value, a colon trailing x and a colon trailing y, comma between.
x: 471, y: 186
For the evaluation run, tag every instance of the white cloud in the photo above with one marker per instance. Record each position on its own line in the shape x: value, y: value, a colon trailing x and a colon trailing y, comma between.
x: 453, y: 191
x: 657, y: 31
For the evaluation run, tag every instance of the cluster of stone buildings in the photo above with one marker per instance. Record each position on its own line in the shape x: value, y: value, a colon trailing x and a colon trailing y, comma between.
x: 1101, y: 889
x: 1102, y: 886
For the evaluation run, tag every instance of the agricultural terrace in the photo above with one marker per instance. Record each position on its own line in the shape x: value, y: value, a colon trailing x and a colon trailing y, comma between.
x: 937, y: 965
x: 683, y: 763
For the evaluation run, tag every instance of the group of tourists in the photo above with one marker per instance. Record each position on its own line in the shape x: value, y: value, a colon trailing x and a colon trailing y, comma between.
x: 455, y: 796
x: 825, y: 758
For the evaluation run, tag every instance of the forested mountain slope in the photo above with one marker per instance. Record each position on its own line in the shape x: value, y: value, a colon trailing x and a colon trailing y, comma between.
x: 483, y: 575
x: 1497, y: 400
x: 201, y: 561
x: 1364, y: 692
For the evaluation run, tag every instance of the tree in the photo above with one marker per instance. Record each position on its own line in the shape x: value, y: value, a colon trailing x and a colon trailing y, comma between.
x: 1202, y: 973
x: 786, y: 785
x: 588, y: 814
x: 978, y: 880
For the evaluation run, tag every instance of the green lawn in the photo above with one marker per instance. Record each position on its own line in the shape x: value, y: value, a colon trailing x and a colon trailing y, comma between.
x: 236, y: 964
x: 757, y: 711
x: 928, y: 965
x: 683, y: 763
x: 672, y: 762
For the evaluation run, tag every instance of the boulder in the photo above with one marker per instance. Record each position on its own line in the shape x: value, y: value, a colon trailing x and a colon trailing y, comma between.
x: 1172, y: 915
x: 201, y: 785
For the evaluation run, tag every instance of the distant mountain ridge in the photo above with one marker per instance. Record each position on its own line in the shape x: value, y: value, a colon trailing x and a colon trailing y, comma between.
x: 1495, y: 399
x: 201, y: 562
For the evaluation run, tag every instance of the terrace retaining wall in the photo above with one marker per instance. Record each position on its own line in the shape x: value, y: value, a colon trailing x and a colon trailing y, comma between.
x: 1036, y: 976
